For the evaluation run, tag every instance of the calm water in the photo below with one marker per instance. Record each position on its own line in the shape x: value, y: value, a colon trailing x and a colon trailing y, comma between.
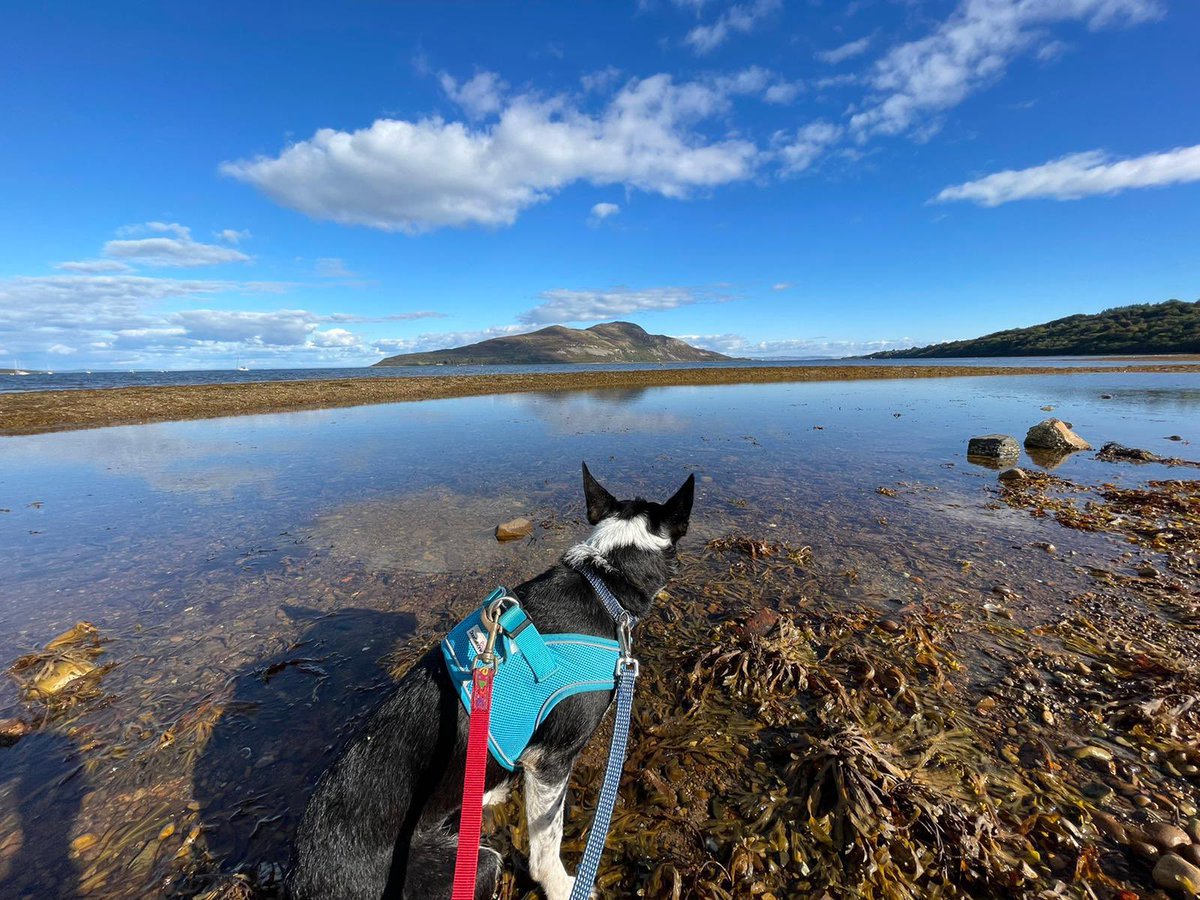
x: 58, y: 381
x: 252, y: 574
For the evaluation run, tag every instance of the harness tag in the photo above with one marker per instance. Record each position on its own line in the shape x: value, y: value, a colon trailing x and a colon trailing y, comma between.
x: 478, y: 638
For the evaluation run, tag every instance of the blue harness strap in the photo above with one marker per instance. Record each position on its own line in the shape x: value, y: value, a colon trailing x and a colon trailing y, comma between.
x: 535, y: 673
x: 556, y: 667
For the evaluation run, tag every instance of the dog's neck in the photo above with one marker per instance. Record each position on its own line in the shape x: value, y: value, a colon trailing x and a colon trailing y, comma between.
x: 634, y: 562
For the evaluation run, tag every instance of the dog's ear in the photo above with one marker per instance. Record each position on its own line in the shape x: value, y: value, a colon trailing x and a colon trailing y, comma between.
x: 678, y: 510
x: 600, y: 502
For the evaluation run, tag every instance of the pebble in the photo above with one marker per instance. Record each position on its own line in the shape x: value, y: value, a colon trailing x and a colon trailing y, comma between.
x: 1014, y: 475
x: 1165, y: 837
x: 1145, y: 851
x: 1093, y: 752
x: 1108, y: 825
x: 1097, y: 790
x: 514, y: 529
x: 1177, y: 874
x: 1193, y: 830
x: 1047, y: 546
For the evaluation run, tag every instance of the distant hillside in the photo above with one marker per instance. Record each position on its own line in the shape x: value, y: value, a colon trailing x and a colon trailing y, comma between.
x: 1169, y: 327
x: 612, y: 342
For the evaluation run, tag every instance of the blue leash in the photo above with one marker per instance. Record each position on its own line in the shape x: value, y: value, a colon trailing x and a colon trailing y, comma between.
x: 627, y: 673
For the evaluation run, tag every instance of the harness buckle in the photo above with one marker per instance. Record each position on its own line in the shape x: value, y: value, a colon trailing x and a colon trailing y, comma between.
x: 628, y: 665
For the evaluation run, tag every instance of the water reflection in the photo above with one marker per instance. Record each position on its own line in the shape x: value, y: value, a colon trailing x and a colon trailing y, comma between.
x: 253, y: 572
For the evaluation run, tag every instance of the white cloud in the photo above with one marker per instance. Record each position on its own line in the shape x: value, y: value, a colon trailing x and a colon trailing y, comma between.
x: 94, y: 266
x: 797, y: 348
x: 333, y: 267
x: 335, y: 337
x: 782, y: 92
x: 782, y: 286
x: 845, y: 51
x: 479, y: 97
x: 969, y: 50
x: 601, y: 79
x: 800, y: 150
x: 1080, y: 175
x: 416, y: 176
x: 741, y: 18
x: 282, y: 328
x: 231, y: 235
x: 563, y: 305
x: 126, y: 321
x: 180, y: 251
x: 602, y: 211
x: 440, y: 339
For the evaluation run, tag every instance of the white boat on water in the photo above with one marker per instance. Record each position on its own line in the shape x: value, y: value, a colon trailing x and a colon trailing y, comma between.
x: 17, y: 370
x: 242, y: 368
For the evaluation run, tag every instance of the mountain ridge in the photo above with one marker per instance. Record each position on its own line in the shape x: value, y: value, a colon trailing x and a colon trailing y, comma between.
x: 607, y: 342
x: 1172, y: 326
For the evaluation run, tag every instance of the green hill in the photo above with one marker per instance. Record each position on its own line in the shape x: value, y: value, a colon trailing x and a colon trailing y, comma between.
x: 1145, y: 328
x: 611, y: 342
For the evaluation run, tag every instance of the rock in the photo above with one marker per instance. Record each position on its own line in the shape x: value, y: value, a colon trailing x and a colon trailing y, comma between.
x: 1175, y: 437
x: 1191, y: 853
x: 514, y: 529
x: 1014, y: 475
x: 761, y: 622
x: 1144, y: 851
x: 1055, y: 434
x: 1093, y: 752
x: 58, y: 674
x: 12, y: 730
x: 1165, y: 837
x: 1106, y: 396
x: 993, y: 446
x: 1174, y: 873
x: 1108, y: 825
x: 1193, y: 830
x: 1047, y: 546
x: 1114, y: 452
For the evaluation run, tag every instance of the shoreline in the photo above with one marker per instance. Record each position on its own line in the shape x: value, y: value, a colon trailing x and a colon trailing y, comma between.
x: 39, y: 412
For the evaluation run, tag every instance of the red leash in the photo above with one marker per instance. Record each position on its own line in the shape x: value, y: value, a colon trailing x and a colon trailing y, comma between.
x: 470, y: 819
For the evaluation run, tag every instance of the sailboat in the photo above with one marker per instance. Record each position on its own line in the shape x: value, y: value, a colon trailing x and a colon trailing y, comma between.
x: 242, y: 368
x: 17, y: 370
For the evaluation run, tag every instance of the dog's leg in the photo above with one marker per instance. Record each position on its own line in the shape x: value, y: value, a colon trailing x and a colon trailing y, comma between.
x: 545, y: 794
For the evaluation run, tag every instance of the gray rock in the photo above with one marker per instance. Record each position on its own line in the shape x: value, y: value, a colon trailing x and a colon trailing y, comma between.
x: 1174, y: 873
x: 1014, y: 475
x: 514, y: 529
x: 1055, y: 434
x: 993, y: 446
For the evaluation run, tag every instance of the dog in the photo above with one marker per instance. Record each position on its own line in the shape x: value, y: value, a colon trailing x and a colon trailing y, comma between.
x: 380, y: 823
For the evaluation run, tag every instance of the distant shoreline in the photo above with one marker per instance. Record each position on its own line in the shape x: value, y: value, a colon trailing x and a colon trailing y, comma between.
x: 36, y: 412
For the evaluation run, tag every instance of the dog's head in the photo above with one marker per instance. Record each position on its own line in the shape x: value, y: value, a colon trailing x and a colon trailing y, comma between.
x: 637, y: 523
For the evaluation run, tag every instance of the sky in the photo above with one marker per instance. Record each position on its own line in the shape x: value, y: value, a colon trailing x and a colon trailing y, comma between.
x: 300, y: 184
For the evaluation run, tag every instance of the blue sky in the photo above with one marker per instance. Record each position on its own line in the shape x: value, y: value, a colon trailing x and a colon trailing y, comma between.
x: 293, y: 184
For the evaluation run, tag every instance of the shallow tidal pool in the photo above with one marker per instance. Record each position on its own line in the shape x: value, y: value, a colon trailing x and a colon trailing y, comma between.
x: 255, y: 582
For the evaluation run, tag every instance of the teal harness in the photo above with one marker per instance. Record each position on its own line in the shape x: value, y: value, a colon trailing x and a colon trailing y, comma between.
x: 535, y: 672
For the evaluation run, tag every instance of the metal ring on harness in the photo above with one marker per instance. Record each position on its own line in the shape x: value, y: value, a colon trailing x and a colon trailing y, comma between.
x: 489, y: 616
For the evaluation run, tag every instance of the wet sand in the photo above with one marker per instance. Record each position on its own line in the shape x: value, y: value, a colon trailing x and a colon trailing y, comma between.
x: 42, y: 411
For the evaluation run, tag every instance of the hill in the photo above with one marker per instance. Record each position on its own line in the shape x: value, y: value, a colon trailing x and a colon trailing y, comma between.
x: 1169, y: 327
x: 611, y: 342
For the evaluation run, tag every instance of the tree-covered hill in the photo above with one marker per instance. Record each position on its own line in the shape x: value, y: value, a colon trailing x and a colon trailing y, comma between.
x: 1169, y: 327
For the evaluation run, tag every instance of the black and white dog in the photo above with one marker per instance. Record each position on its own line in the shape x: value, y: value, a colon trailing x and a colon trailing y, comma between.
x: 381, y: 821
